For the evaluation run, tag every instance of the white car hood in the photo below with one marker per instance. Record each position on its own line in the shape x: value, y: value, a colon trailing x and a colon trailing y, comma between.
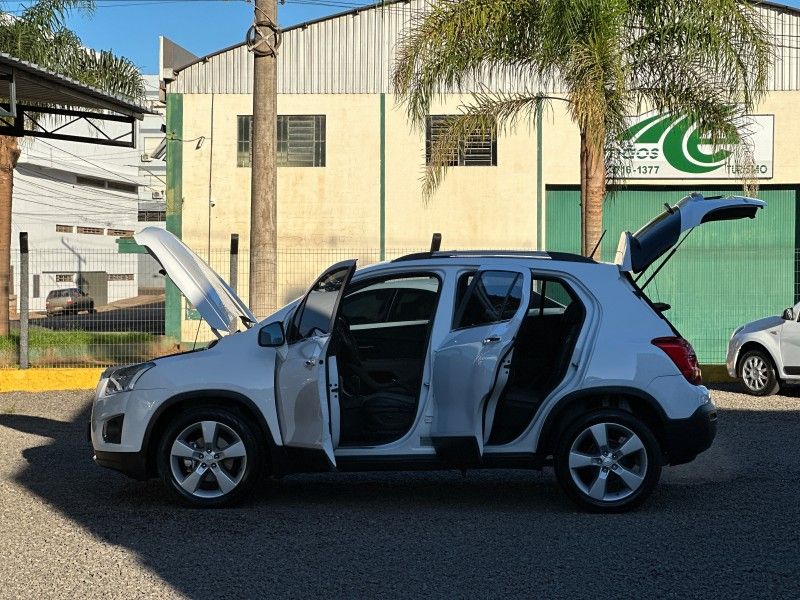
x: 762, y: 324
x: 216, y: 302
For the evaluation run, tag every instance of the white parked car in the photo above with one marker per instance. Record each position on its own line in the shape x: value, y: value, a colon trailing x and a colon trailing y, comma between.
x: 765, y: 353
x: 434, y: 360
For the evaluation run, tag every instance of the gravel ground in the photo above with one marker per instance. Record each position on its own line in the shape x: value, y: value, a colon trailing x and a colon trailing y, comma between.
x: 723, y: 526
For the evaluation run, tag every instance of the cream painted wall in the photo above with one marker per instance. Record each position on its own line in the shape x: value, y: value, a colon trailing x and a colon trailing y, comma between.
x: 331, y: 213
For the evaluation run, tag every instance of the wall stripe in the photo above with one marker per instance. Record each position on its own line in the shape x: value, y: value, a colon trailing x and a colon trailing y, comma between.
x: 172, y: 303
x: 383, y: 177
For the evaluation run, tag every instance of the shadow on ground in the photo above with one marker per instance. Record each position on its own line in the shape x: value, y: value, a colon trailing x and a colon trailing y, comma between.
x: 725, y: 524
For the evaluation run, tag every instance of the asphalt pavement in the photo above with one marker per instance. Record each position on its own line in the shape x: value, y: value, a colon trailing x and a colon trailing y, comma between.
x: 725, y: 526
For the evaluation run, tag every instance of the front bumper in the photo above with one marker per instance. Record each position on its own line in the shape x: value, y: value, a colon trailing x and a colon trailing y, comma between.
x: 132, y: 464
x: 684, y: 439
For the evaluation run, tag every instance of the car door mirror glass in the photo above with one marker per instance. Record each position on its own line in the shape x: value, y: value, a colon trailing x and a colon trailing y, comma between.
x: 788, y: 314
x: 272, y: 335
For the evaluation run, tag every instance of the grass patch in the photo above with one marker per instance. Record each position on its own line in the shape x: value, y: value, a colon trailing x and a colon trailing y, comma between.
x: 39, y: 338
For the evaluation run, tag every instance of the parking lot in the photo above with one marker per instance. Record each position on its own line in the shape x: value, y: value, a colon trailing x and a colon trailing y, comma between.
x: 724, y: 526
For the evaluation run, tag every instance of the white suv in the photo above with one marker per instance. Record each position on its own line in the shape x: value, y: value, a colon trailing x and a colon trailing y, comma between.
x: 434, y: 360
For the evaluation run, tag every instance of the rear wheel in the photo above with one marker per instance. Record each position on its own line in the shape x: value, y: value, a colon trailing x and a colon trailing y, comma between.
x: 608, y: 461
x: 209, y: 457
x: 757, y: 374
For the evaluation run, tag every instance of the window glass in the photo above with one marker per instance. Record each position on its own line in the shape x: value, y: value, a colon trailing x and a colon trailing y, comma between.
x: 243, y: 137
x: 494, y: 296
x: 367, y: 306
x: 413, y: 305
x: 549, y: 297
x: 316, y: 314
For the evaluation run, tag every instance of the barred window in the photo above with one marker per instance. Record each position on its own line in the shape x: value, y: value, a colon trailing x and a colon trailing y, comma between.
x: 90, y: 230
x: 480, y: 150
x: 64, y: 277
x: 152, y: 215
x: 244, y: 134
x: 65, y: 228
x: 120, y: 276
x: 301, y: 140
x: 120, y: 232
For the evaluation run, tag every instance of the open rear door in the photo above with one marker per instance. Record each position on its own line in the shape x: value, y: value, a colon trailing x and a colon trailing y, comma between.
x: 637, y: 251
x: 302, y: 382
x: 466, y: 364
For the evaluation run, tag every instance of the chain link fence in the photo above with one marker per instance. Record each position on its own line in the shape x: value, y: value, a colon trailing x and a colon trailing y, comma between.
x: 94, y: 308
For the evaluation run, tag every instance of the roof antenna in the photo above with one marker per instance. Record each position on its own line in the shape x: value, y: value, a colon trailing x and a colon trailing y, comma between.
x: 436, y: 242
x: 597, y: 245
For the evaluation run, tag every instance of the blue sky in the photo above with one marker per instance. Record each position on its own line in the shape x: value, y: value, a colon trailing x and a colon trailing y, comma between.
x: 132, y: 27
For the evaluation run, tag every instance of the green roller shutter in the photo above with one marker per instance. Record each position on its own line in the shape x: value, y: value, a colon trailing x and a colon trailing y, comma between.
x: 724, y: 275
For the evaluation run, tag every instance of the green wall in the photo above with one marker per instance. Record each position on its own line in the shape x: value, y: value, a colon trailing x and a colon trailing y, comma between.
x: 724, y: 275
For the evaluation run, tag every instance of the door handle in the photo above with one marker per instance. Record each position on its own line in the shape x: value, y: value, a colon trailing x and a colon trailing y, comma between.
x: 491, y: 339
x: 310, y: 362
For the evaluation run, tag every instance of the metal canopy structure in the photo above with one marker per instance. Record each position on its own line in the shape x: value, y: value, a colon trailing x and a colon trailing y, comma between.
x: 32, y: 92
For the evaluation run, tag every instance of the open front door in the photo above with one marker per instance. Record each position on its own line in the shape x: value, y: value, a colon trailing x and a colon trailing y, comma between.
x: 302, y: 395
x: 466, y: 365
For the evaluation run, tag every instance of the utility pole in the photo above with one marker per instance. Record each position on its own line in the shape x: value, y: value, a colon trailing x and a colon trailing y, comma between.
x: 263, y: 40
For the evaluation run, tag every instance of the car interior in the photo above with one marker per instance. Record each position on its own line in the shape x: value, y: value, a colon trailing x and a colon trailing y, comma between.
x: 380, y: 342
x: 541, y: 355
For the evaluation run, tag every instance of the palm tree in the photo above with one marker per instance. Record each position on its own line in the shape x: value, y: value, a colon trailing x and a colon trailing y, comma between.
x: 707, y: 59
x: 40, y: 35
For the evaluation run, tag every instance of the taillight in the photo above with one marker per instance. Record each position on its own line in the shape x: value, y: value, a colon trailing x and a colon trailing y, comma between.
x: 682, y: 354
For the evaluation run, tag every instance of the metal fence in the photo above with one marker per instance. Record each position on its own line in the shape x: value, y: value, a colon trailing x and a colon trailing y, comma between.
x: 127, y: 311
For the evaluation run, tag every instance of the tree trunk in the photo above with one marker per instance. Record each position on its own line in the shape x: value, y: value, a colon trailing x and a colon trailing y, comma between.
x: 593, y: 191
x: 9, y: 153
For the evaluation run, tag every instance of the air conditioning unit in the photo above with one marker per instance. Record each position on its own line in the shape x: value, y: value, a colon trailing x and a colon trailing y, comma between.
x: 157, y: 195
x: 146, y: 157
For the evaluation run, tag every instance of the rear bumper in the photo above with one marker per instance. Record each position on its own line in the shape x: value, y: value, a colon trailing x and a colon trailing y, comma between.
x: 684, y: 439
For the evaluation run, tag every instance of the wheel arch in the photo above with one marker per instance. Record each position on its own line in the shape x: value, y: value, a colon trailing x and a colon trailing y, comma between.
x: 751, y: 345
x: 220, y: 398
x: 570, y: 407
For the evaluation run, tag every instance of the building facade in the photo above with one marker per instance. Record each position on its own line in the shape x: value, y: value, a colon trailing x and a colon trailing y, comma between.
x: 350, y: 168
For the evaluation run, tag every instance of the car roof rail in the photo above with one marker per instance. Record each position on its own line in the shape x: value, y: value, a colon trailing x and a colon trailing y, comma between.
x: 536, y: 254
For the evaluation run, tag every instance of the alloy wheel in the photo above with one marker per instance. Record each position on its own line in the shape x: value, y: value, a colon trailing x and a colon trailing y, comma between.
x: 755, y: 373
x: 608, y: 462
x: 208, y: 459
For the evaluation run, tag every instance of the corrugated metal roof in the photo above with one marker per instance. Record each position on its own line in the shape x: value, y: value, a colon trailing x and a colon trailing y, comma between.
x: 351, y: 53
x: 36, y: 84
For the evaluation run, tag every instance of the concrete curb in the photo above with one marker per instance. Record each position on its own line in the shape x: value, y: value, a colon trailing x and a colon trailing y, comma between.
x: 53, y: 380
x: 48, y: 380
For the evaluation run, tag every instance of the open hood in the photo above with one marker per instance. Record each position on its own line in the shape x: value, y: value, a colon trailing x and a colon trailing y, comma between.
x: 637, y: 251
x: 216, y: 302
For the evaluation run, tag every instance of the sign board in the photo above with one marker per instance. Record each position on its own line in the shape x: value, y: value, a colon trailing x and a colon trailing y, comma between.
x: 664, y: 146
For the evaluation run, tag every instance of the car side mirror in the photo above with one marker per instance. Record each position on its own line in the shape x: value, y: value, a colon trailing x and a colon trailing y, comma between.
x: 272, y: 335
x: 788, y: 314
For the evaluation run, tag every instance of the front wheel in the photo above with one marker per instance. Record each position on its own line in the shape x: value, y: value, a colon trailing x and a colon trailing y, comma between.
x: 209, y: 457
x: 757, y: 374
x: 608, y: 461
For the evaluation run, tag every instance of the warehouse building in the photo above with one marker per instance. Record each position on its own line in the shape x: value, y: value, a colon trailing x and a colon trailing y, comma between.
x: 350, y: 167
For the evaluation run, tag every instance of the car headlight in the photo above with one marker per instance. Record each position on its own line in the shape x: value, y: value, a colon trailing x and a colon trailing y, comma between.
x: 125, y: 378
x: 736, y: 332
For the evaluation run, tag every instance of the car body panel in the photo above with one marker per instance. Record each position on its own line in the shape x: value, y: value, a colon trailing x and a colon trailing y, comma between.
x: 216, y: 302
x: 466, y: 365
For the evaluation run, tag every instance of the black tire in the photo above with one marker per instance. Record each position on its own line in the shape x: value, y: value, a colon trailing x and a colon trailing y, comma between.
x: 239, y: 426
x: 615, y: 418
x: 772, y: 384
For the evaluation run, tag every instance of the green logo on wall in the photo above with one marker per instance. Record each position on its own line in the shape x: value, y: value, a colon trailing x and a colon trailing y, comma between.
x: 681, y: 146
